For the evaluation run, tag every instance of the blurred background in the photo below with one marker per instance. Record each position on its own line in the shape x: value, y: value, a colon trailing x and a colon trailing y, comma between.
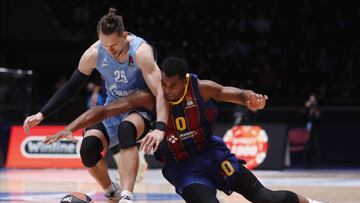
x: 288, y: 50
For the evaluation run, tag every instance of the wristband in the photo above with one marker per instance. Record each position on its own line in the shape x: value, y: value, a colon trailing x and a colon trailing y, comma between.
x: 159, y: 125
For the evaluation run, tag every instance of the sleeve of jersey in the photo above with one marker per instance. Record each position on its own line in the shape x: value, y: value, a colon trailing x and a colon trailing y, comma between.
x: 63, y: 95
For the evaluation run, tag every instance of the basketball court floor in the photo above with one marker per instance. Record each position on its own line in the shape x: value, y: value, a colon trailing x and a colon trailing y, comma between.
x: 49, y: 185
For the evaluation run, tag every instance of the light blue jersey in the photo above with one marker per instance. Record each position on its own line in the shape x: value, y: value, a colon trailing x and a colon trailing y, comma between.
x: 121, y: 79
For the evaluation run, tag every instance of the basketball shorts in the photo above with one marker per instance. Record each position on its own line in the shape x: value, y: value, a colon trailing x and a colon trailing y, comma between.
x: 214, y: 167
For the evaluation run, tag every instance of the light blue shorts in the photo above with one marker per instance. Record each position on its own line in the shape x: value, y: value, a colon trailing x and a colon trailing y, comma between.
x: 112, y: 124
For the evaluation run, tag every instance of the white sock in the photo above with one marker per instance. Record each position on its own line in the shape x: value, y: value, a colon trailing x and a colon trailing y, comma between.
x: 127, y: 193
x: 110, y: 188
x: 312, y: 201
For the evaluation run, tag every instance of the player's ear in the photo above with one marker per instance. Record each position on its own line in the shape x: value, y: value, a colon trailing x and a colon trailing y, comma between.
x: 185, y: 79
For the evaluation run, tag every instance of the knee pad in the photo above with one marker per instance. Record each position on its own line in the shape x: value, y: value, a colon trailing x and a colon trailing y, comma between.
x: 127, y: 134
x: 90, y: 151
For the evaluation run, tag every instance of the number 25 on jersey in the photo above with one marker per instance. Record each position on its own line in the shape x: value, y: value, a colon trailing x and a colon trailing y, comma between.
x: 120, y: 76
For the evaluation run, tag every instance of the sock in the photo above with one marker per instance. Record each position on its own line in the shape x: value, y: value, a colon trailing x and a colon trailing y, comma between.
x: 110, y: 188
x: 312, y: 201
x: 125, y: 193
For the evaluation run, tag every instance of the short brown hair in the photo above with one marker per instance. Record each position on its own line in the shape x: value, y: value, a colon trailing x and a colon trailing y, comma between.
x: 110, y: 23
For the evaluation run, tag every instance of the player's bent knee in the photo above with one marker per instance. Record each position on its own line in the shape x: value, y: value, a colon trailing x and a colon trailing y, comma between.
x: 127, y: 134
x: 90, y: 151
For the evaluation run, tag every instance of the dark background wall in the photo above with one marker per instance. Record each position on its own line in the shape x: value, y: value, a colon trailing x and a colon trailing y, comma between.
x: 285, y: 49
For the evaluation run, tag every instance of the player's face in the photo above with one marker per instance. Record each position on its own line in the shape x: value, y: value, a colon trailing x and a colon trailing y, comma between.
x: 113, y: 43
x: 173, y: 87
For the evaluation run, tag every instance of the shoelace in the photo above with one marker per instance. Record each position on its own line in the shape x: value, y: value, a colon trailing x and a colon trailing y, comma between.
x: 125, y: 197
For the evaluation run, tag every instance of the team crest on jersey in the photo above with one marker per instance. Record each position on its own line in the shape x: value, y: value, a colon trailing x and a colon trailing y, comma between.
x: 172, y: 139
x: 105, y: 63
x: 189, y: 101
x: 131, y: 61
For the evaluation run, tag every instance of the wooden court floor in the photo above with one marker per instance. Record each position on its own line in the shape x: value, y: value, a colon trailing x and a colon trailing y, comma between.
x: 49, y: 185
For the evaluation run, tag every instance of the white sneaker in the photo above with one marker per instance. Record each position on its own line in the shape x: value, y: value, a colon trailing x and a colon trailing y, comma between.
x: 114, y: 196
x: 126, y: 197
x: 314, y: 201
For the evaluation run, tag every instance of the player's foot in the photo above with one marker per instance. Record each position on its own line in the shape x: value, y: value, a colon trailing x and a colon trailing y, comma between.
x: 115, y: 195
x: 125, y: 200
x: 314, y: 201
x: 126, y: 197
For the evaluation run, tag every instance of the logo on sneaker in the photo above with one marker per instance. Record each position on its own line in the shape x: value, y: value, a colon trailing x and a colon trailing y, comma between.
x: 67, y: 199
x: 125, y: 197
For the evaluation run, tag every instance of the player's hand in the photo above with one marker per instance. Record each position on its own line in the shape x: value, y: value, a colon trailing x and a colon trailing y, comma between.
x: 151, y: 141
x: 32, y: 121
x: 255, y: 101
x: 60, y: 135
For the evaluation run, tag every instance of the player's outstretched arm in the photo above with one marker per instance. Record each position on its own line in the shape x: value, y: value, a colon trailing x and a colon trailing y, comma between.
x: 212, y: 90
x: 152, y: 76
x: 135, y: 100
x: 69, y: 90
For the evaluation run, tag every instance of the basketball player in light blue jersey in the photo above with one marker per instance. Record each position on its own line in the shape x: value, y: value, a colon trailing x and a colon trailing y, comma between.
x: 127, y: 64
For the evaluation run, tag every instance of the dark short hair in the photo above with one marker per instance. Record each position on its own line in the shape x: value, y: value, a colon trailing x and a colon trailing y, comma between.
x: 172, y: 66
x: 110, y: 23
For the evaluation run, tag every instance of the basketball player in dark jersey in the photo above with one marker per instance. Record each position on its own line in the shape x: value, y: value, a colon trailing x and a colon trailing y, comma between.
x: 196, y: 162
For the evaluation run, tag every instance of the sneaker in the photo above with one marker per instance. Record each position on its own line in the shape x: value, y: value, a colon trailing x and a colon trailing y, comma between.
x: 126, y: 197
x: 114, y: 196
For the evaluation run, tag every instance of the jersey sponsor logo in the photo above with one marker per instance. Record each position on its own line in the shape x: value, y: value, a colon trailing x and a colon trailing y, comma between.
x: 172, y: 139
x: 187, y: 135
x: 34, y: 147
x: 119, y: 93
x: 249, y: 143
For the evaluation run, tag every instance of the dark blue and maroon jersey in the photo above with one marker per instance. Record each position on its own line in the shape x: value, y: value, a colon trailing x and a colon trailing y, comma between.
x: 189, y: 127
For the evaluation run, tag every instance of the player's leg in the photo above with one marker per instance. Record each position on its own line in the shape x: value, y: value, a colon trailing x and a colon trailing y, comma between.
x: 130, y: 129
x: 199, y: 193
x: 247, y: 184
x: 115, y: 151
x: 143, y: 165
x: 94, y: 142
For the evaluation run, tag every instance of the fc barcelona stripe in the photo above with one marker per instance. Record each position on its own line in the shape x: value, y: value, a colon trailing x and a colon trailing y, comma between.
x: 193, y: 118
